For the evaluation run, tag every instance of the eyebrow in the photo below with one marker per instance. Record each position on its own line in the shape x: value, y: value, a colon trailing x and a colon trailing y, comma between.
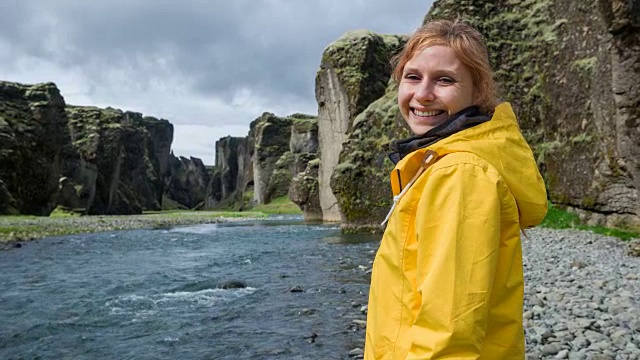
x: 441, y: 72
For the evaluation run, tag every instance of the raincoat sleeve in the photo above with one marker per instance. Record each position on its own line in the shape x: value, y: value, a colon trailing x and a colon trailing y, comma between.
x: 458, y: 233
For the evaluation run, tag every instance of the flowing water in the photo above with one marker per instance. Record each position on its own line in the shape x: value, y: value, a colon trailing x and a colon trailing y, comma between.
x: 159, y: 294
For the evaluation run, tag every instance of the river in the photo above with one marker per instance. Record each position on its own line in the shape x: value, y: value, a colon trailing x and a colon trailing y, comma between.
x: 160, y: 294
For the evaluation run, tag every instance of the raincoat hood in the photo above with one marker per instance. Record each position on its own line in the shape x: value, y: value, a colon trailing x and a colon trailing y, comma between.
x: 499, y: 142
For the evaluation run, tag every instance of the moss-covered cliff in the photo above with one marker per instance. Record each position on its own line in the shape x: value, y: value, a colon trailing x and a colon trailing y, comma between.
x: 186, y: 183
x: 232, y: 168
x: 361, y: 179
x: 303, y: 146
x: 33, y: 132
x: 260, y: 167
x: 353, y: 73
x: 116, y: 161
x: 86, y: 159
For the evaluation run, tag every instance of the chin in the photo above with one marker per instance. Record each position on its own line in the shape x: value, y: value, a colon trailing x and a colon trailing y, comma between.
x: 420, y: 129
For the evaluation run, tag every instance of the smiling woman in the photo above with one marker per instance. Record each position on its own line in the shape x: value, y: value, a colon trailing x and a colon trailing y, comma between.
x: 447, y: 280
x: 435, y: 84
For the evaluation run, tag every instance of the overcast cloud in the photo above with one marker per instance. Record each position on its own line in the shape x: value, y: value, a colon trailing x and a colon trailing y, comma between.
x: 209, y: 67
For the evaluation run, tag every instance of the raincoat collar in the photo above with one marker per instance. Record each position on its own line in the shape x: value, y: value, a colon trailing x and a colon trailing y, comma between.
x: 464, y: 119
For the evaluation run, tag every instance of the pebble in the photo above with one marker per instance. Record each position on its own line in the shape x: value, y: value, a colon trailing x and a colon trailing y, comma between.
x: 551, y: 349
x: 356, y: 352
x: 362, y: 324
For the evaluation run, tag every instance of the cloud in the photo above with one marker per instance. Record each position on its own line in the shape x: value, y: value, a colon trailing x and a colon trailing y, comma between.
x: 196, y: 62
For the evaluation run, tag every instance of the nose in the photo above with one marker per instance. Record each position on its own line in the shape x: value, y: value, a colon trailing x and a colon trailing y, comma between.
x: 425, y: 91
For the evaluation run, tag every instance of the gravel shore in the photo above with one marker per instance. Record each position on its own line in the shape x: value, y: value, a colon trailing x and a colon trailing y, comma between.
x: 582, y: 297
x: 17, y: 229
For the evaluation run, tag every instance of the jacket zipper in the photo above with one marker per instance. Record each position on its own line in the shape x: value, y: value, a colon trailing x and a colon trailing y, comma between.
x: 429, y: 158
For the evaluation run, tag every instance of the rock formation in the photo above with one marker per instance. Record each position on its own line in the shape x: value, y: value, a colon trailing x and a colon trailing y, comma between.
x: 361, y: 179
x: 232, y: 173
x: 303, y: 147
x: 33, y: 132
x: 86, y: 159
x: 622, y: 19
x: 116, y: 161
x: 353, y: 73
x: 270, y: 135
x: 262, y: 166
x: 186, y: 183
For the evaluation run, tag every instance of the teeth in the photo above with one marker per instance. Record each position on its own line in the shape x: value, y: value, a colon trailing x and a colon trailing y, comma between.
x: 427, y: 113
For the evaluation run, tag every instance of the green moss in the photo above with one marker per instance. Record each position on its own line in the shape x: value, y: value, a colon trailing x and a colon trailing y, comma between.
x: 586, y: 65
x: 589, y: 201
x: 582, y: 138
x: 62, y: 212
x: 542, y: 150
x: 280, y: 205
x: 557, y: 218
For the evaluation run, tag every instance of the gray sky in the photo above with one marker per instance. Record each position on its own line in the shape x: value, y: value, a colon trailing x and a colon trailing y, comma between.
x: 209, y: 67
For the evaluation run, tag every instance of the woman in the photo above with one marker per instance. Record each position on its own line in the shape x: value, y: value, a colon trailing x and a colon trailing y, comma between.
x: 447, y: 280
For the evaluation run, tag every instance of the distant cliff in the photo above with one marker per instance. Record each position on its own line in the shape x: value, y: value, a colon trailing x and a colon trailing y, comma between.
x: 33, y: 134
x: 84, y: 159
x: 186, y: 183
x: 267, y: 164
x: 116, y: 161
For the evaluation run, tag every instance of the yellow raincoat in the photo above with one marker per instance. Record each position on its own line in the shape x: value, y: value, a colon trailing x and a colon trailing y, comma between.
x: 447, y: 280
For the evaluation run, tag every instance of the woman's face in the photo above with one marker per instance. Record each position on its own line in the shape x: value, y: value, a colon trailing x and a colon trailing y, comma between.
x: 434, y: 86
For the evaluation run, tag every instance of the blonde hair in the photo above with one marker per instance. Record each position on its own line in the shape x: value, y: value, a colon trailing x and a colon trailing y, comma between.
x: 468, y: 45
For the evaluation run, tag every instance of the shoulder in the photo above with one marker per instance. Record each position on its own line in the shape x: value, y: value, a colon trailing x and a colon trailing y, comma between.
x: 465, y: 171
x: 465, y: 162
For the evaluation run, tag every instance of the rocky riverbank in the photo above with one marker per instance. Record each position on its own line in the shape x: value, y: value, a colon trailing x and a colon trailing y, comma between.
x: 17, y: 229
x: 582, y: 298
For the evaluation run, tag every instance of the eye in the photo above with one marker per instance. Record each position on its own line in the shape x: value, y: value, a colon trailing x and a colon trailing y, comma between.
x: 445, y: 80
x: 411, y: 76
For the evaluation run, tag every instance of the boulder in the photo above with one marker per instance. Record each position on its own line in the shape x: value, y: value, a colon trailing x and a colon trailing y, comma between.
x: 33, y: 132
x: 304, y: 191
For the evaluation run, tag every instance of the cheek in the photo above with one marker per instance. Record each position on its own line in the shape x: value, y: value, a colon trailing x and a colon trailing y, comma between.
x: 403, y: 99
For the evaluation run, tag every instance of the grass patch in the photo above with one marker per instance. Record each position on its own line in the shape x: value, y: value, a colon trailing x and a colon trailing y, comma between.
x: 60, y: 212
x: 279, y: 206
x: 560, y: 219
x: 206, y: 214
x: 23, y: 228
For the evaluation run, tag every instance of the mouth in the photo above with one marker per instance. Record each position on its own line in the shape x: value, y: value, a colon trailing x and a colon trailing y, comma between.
x: 431, y: 113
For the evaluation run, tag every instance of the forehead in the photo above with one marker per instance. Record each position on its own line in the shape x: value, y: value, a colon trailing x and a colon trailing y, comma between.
x: 437, y: 56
